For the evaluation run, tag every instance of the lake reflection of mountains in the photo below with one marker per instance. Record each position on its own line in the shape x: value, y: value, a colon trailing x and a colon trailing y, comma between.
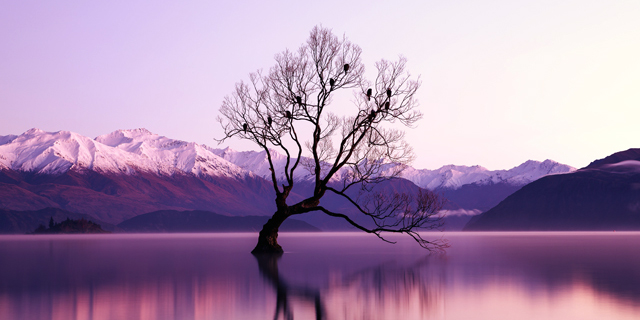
x: 350, y: 276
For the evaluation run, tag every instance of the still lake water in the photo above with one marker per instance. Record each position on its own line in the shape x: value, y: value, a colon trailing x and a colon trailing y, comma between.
x: 330, y: 275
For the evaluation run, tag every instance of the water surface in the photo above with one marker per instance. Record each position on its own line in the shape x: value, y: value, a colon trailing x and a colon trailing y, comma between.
x: 326, y: 275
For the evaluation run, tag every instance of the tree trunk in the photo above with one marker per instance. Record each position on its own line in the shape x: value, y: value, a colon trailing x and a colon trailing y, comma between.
x: 268, y: 238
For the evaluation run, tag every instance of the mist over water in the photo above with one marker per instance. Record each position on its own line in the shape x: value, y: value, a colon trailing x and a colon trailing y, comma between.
x: 321, y: 275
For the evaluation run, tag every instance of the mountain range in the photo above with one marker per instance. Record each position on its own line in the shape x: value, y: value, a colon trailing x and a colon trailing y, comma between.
x: 605, y: 195
x: 446, y: 177
x: 469, y: 190
x: 123, y: 174
x: 126, y: 173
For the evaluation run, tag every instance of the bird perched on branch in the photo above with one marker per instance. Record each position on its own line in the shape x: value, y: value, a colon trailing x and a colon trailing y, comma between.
x: 369, y: 94
x: 386, y: 106
x: 388, y: 93
x: 244, y: 127
x: 269, y: 120
x: 372, y: 115
x: 299, y: 100
x: 346, y: 67
x: 287, y: 114
x: 332, y: 82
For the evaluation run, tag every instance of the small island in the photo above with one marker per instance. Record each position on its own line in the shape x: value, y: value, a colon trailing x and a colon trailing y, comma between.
x: 70, y: 226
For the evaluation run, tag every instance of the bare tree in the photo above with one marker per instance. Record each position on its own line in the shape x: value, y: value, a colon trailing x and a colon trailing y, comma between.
x: 286, y: 109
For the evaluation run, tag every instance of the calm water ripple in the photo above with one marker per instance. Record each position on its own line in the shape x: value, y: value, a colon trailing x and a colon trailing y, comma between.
x: 322, y: 275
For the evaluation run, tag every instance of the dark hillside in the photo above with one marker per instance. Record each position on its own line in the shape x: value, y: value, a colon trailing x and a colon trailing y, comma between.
x: 21, y: 222
x: 583, y: 200
x: 203, y: 221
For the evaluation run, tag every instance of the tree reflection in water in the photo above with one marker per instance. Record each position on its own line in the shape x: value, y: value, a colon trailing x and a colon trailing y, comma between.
x: 196, y: 277
x: 383, y: 291
x: 268, y: 264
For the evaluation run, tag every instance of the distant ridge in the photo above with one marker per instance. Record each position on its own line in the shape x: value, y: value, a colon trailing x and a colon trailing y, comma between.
x: 125, y: 173
x: 449, y: 177
x: 70, y: 226
x: 203, y: 221
x: 121, y: 152
x: 469, y: 189
x: 605, y: 195
x: 21, y: 222
x: 630, y: 154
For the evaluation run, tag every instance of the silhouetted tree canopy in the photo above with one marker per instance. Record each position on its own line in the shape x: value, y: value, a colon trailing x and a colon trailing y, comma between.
x: 290, y: 109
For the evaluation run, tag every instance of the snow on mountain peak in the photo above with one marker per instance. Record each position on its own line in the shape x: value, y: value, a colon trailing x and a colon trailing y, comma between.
x: 448, y: 177
x: 130, y: 151
x: 33, y: 131
x: 453, y: 177
x: 258, y: 163
x: 122, y: 151
x: 119, y: 137
x: 7, y: 139
x: 48, y: 152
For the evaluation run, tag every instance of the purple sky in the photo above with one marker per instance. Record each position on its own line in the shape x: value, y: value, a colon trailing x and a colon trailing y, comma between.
x: 503, y: 81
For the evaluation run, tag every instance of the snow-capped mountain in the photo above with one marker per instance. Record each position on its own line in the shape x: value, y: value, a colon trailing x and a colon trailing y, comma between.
x: 122, y: 151
x: 469, y: 190
x: 602, y: 196
x: 446, y: 177
x: 454, y: 177
x: 257, y: 162
x: 130, y: 172
x: 123, y: 174
x: 138, y: 150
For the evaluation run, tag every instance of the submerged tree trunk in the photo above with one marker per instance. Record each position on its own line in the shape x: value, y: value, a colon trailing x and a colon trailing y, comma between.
x: 268, y: 237
x: 268, y: 265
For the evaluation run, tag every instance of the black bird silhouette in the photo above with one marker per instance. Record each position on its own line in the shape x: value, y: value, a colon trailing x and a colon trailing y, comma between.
x: 372, y: 115
x: 386, y: 105
x: 368, y: 94
x: 332, y: 82
x: 287, y: 114
x: 346, y: 67
x: 244, y: 127
x: 389, y: 93
x: 299, y: 100
x: 269, y: 120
